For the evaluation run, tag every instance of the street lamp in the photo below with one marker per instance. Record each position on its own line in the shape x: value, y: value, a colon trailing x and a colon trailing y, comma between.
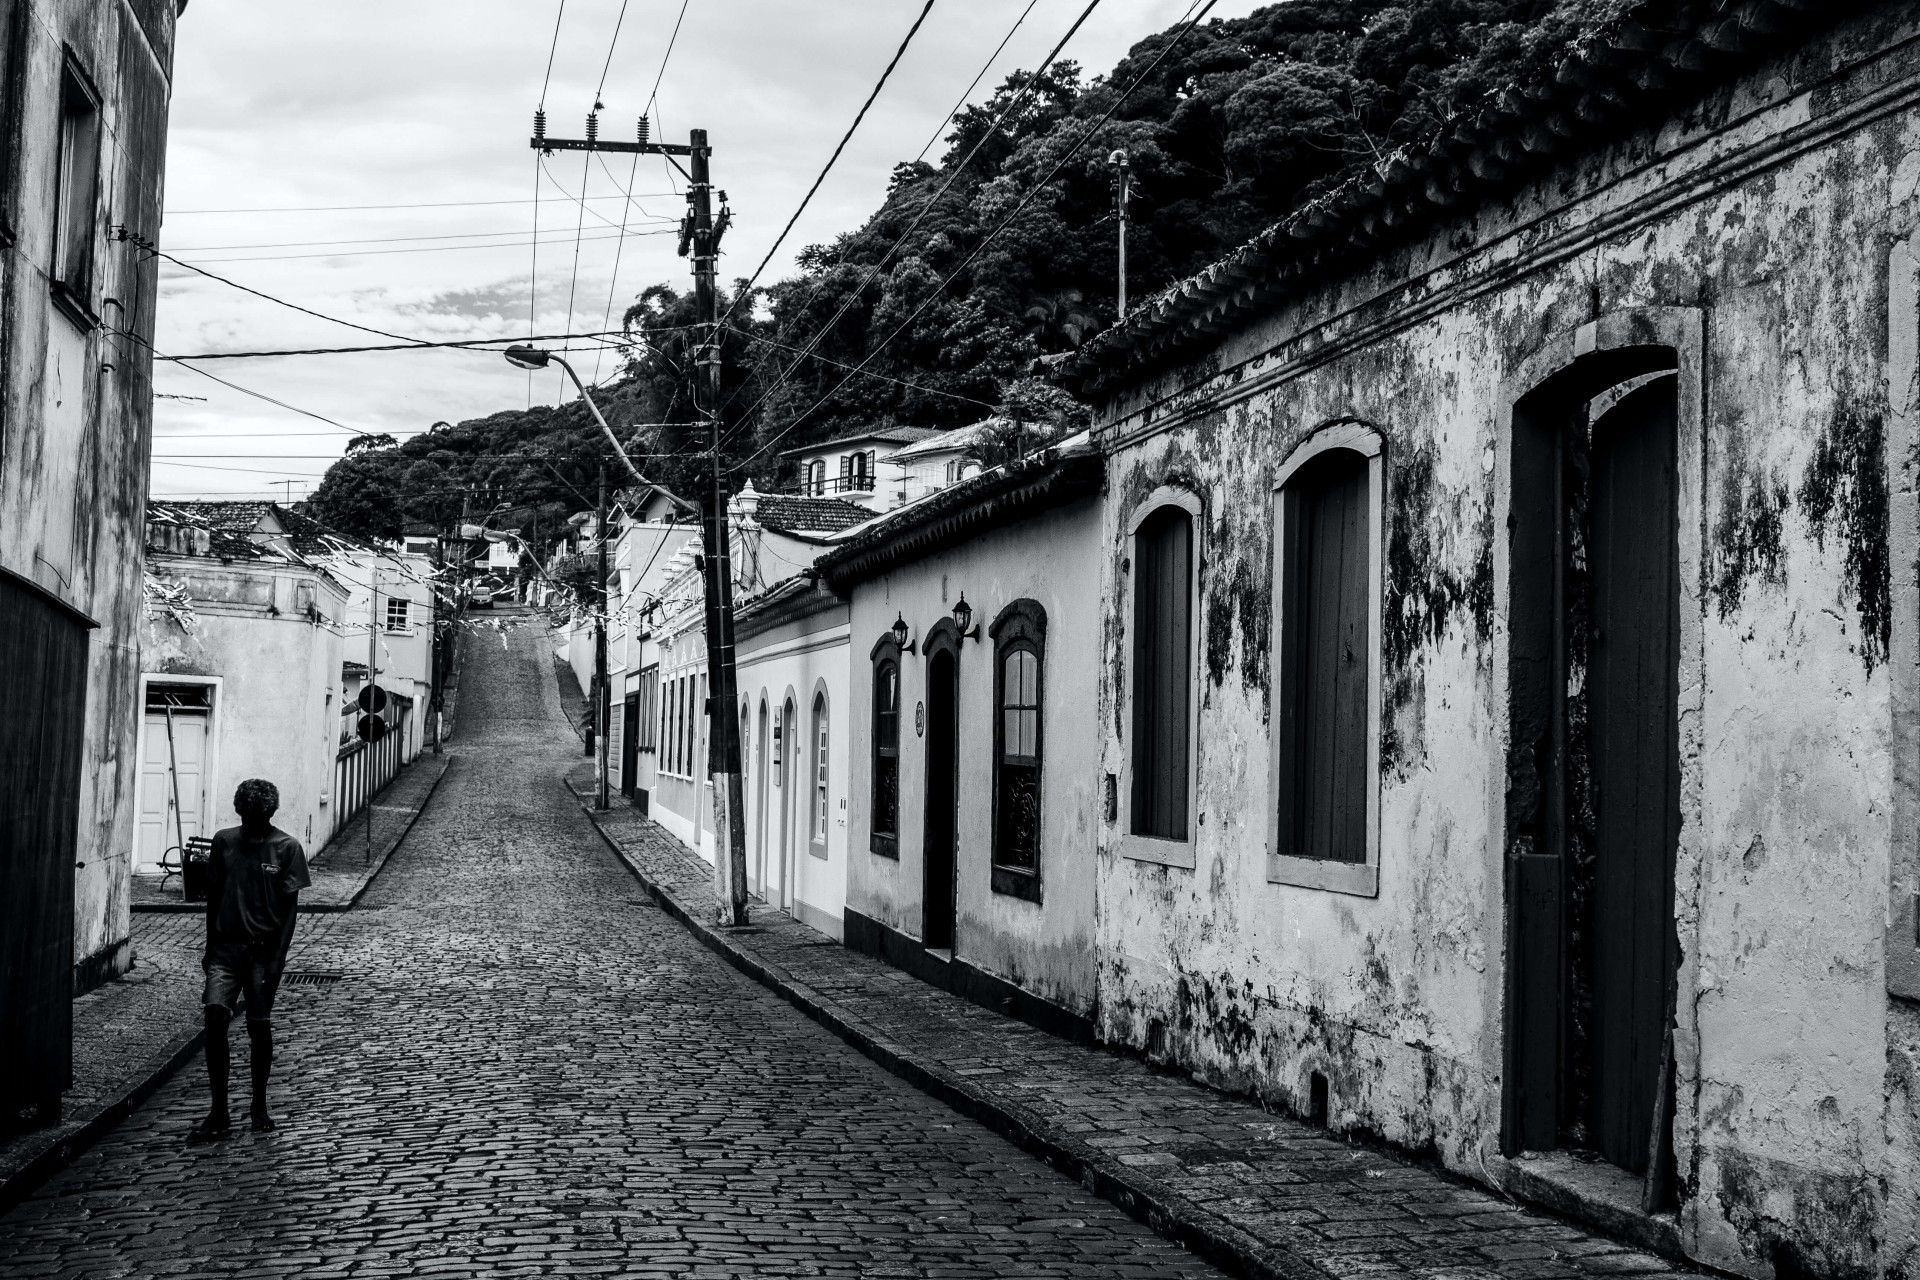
x: 963, y: 618
x: 902, y: 634
x: 525, y: 357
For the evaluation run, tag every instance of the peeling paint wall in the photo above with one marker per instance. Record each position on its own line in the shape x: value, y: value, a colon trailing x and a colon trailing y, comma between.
x: 1046, y: 947
x: 1763, y: 217
x: 76, y: 402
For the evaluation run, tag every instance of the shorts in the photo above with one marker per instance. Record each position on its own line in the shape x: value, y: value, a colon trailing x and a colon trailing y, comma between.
x: 235, y: 967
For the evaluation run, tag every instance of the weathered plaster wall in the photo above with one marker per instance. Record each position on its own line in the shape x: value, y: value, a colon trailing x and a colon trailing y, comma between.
x: 1767, y: 214
x: 1047, y: 947
x: 790, y: 665
x: 276, y: 715
x: 76, y: 405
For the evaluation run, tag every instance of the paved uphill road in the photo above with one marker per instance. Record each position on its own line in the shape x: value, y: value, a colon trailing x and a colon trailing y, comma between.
x: 528, y: 1069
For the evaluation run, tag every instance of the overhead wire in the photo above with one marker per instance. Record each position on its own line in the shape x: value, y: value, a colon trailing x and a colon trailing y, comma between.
x: 311, y: 244
x: 981, y: 75
x: 746, y: 290
x: 359, y: 208
x: 1032, y: 193
x: 900, y: 241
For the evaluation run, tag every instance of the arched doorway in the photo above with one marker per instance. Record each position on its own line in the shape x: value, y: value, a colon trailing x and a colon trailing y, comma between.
x: 1594, y: 809
x: 938, y: 852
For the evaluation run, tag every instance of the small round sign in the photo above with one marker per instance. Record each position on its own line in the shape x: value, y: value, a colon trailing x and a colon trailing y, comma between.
x: 920, y: 719
x: 373, y: 698
x: 371, y: 728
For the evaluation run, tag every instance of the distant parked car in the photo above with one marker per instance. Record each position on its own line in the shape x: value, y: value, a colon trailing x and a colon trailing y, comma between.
x: 480, y: 596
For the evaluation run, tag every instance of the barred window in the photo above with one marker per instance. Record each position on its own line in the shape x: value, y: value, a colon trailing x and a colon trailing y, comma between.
x: 886, y: 750
x: 1019, y: 635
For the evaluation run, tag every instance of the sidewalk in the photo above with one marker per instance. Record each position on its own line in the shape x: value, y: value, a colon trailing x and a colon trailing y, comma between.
x: 1254, y: 1192
x: 342, y: 870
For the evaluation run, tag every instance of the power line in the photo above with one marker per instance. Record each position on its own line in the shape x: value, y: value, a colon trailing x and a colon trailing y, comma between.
x: 551, y: 50
x: 474, y: 344
x: 1006, y: 222
x: 617, y: 23
x: 353, y: 208
x: 308, y: 244
x: 746, y: 290
x: 443, y: 248
x: 157, y: 252
x: 901, y: 240
x: 881, y: 377
x: 984, y: 68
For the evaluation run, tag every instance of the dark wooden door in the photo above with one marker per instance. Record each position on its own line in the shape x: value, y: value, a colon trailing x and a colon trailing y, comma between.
x: 629, y: 744
x: 1327, y: 649
x: 942, y: 799
x: 43, y: 651
x: 1634, y: 753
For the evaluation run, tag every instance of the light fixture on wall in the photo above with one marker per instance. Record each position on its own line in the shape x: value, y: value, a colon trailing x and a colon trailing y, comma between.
x: 902, y: 634
x: 963, y: 618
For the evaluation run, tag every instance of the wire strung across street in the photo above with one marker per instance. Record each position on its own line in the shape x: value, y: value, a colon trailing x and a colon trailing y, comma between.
x: 900, y: 241
x: 746, y: 290
x: 939, y: 290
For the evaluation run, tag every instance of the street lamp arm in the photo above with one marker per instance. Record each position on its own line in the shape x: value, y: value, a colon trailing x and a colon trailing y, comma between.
x: 614, y: 440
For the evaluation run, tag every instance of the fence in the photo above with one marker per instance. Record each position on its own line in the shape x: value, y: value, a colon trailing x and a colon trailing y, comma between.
x: 354, y: 783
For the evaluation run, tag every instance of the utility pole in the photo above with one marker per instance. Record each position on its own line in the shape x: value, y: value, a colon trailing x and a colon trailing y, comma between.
x: 700, y: 235
x: 600, y: 693
x: 1122, y: 193
x: 373, y: 683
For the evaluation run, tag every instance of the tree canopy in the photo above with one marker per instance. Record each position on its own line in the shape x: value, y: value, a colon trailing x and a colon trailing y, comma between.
x: 947, y: 308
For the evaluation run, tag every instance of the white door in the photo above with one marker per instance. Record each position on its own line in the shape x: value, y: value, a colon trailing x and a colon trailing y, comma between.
x: 159, y: 769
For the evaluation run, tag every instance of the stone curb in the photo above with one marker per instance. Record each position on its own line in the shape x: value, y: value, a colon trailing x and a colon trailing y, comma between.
x: 66, y: 1142
x: 1220, y: 1243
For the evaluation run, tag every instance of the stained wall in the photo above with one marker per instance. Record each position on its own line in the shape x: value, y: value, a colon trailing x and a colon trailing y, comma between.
x: 1753, y: 235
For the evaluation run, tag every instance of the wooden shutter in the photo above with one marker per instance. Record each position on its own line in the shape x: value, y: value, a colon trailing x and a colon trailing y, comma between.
x: 1162, y: 673
x: 1325, y: 659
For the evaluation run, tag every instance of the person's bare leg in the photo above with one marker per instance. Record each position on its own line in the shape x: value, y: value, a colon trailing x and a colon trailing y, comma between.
x: 260, y: 1033
x: 219, y: 1063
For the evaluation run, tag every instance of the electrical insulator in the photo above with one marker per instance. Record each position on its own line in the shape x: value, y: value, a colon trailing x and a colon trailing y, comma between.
x: 540, y: 124
x: 645, y: 128
x: 593, y: 126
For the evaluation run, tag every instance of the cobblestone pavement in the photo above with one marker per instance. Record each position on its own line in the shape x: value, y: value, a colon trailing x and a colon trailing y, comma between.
x: 1289, y: 1190
x: 529, y: 1069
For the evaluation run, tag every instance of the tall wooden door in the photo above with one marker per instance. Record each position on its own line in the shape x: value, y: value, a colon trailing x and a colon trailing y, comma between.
x: 942, y: 800
x: 1634, y: 753
x: 630, y: 745
x: 762, y: 754
x: 173, y: 764
x: 43, y: 699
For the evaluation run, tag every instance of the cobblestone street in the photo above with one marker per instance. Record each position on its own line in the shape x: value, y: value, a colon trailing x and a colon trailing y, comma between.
x: 528, y: 1069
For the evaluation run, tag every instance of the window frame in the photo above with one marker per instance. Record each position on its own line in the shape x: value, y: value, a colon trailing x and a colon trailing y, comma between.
x: 819, y: 778
x: 1144, y: 848
x: 885, y: 652
x: 1360, y: 879
x: 1020, y: 627
x: 406, y: 616
x: 73, y: 284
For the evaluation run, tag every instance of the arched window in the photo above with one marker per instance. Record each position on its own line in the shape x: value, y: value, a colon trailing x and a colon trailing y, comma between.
x: 1326, y: 665
x: 885, y: 800
x: 1020, y: 636
x: 1161, y: 760
x: 817, y: 810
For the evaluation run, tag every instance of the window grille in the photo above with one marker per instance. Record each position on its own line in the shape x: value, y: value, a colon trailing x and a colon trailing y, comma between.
x: 1162, y: 673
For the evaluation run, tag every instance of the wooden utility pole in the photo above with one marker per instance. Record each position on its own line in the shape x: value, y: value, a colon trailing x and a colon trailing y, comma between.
x: 601, y: 697
x: 700, y: 236
x: 1122, y: 193
x: 373, y: 684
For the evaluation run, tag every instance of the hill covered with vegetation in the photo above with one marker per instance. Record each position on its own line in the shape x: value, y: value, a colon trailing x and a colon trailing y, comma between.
x: 1002, y: 250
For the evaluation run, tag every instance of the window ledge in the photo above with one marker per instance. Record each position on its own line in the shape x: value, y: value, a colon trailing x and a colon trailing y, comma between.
x: 1016, y: 884
x: 1357, y: 878
x: 817, y: 849
x: 1168, y: 853
x: 885, y: 846
x: 70, y: 305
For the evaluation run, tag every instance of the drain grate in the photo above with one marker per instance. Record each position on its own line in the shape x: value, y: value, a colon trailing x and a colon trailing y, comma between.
x: 312, y: 978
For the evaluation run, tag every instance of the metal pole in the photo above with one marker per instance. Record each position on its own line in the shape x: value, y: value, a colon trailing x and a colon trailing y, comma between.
x: 600, y: 657
x: 373, y: 683
x: 1122, y: 192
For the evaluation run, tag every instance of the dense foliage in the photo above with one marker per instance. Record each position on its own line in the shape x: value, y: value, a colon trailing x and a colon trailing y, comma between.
x: 1242, y: 121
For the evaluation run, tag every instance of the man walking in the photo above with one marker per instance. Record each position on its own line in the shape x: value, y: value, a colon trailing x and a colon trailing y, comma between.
x: 254, y: 880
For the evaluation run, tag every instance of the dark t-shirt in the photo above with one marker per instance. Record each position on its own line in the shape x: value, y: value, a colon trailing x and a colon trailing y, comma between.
x: 253, y: 883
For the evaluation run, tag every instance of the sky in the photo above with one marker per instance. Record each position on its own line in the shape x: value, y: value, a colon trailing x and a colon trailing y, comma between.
x: 370, y: 162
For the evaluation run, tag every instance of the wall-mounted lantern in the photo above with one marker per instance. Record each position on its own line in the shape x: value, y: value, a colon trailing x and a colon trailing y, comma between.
x: 963, y: 618
x: 903, y: 634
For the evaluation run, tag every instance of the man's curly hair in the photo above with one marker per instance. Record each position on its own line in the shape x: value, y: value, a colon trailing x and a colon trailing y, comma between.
x: 256, y: 798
